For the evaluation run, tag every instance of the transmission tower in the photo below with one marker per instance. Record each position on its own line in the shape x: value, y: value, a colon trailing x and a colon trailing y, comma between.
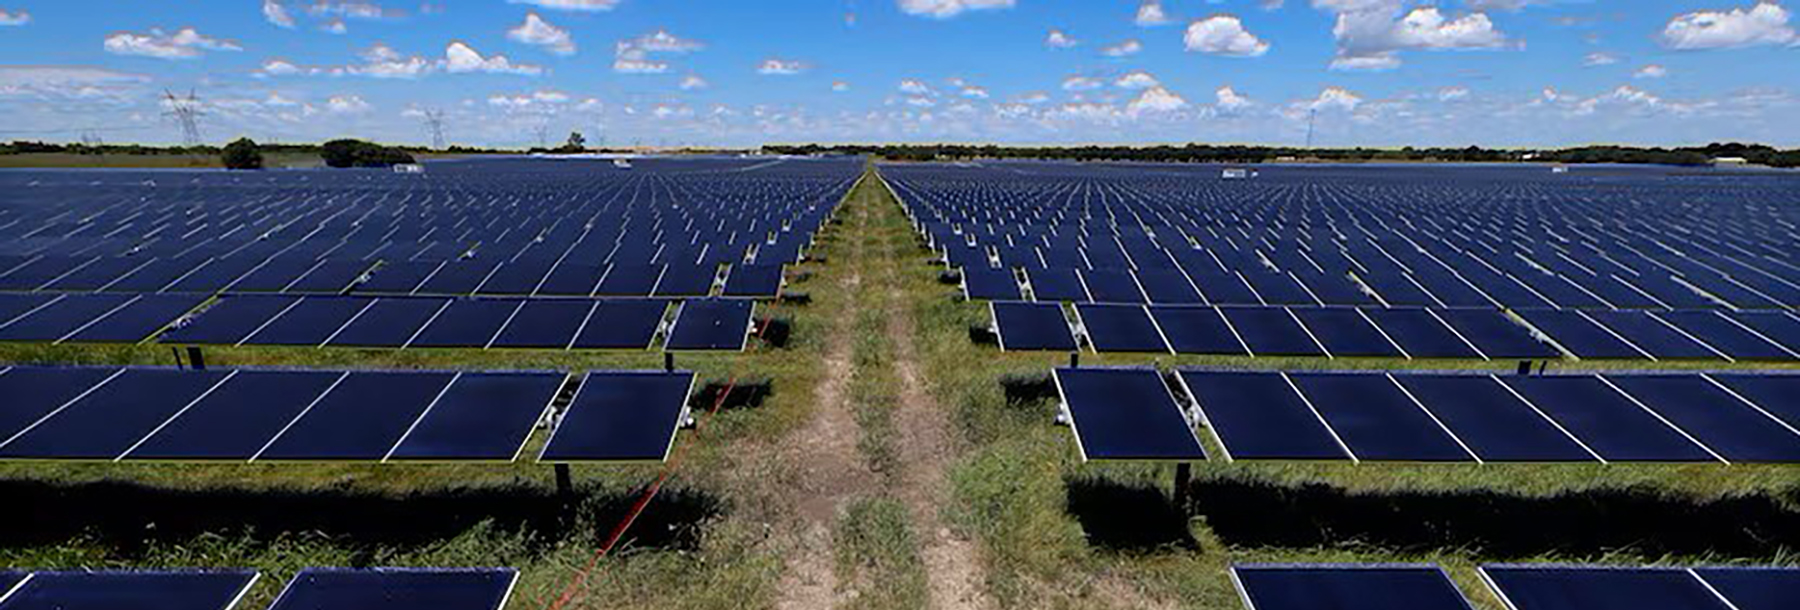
x: 434, y: 120
x: 186, y: 111
x: 92, y: 138
x: 1311, y: 116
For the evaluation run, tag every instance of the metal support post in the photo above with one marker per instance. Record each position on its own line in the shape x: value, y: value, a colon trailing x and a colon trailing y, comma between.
x: 196, y: 359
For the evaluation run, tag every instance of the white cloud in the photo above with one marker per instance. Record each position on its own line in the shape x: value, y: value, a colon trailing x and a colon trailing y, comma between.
x: 1033, y: 98
x: 571, y: 5
x: 1223, y: 35
x: 64, y: 81
x: 353, y: 9
x: 1503, y: 5
x: 544, y: 101
x: 840, y: 86
x: 661, y: 41
x: 945, y: 9
x: 1651, y: 71
x: 1128, y: 48
x: 460, y: 58
x: 920, y: 101
x: 1081, y: 83
x: 347, y: 104
x: 972, y: 91
x: 1057, y: 39
x: 1150, y: 13
x: 1599, y: 59
x: 1452, y: 93
x: 1229, y: 100
x: 1155, y: 99
x: 780, y: 67
x: 1337, y: 98
x: 1138, y: 79
x: 633, y: 56
x: 1763, y: 24
x: 536, y: 31
x: 278, y: 67
x: 10, y: 18
x: 334, y: 26
x: 915, y: 87
x: 1369, y: 37
x: 275, y: 13
x: 692, y: 82
x: 187, y: 43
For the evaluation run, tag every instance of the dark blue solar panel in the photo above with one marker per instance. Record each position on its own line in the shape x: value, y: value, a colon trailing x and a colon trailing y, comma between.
x: 1056, y: 284
x: 397, y: 589
x: 458, y: 278
x: 1720, y: 332
x: 360, y: 419
x: 42, y: 271
x: 1653, y: 336
x: 1332, y: 288
x: 236, y: 419
x: 1271, y: 331
x: 753, y: 281
x: 274, y: 275
x: 311, y: 322
x: 1779, y: 327
x: 138, y: 320
x: 14, y: 305
x: 1196, y: 330
x: 622, y: 324
x: 32, y: 392
x: 1345, y: 333
x: 331, y: 277
x: 1223, y: 288
x: 1032, y: 327
x: 1600, y: 588
x: 1420, y: 334
x: 687, y: 280
x: 1347, y: 587
x: 1779, y: 395
x: 1120, y: 328
x: 389, y: 322
x: 1168, y: 287
x: 1494, y: 335
x: 572, y: 279
x: 231, y: 320
x: 100, y: 273
x: 1581, y: 336
x: 711, y: 324
x: 629, y: 280
x: 1606, y: 421
x: 621, y: 416
x: 544, y: 324
x: 1377, y: 419
x: 399, y: 277
x: 1491, y: 421
x: 519, y: 277
x: 1277, y: 288
x: 467, y: 323
x: 1755, y: 588
x: 1112, y: 286
x: 990, y: 284
x: 146, y: 590
x: 482, y: 417
x: 1722, y: 422
x: 59, y: 319
x: 215, y: 274
x: 112, y: 418
x: 8, y: 580
x: 1258, y: 416
x: 155, y: 276
x: 1126, y: 414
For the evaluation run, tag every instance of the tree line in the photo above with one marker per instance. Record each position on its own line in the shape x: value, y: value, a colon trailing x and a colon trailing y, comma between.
x: 1206, y: 153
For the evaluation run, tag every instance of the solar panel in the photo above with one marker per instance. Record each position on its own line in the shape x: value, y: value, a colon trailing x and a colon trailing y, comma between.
x: 15, y: 305
x: 990, y: 284
x: 1032, y: 327
x: 1168, y: 287
x: 1120, y: 328
x: 94, y: 275
x: 458, y: 278
x: 330, y: 277
x: 1058, y: 284
x: 214, y: 275
x: 311, y: 322
x: 1779, y: 327
x: 1377, y: 419
x: 1222, y: 288
x: 1525, y: 587
x: 398, y: 277
x: 481, y: 417
x: 1258, y: 416
x: 1345, y: 333
x: 572, y: 279
x: 1126, y: 414
x: 687, y: 280
x: 1581, y: 336
x: 518, y: 277
x: 1653, y: 336
x: 1720, y: 332
x: 622, y: 324
x: 1271, y: 331
x: 362, y: 418
x: 1777, y: 395
x: 753, y: 281
x: 1494, y: 335
x: 1731, y: 427
x: 236, y: 419
x: 274, y: 275
x: 469, y: 322
x: 389, y: 322
x: 1112, y: 286
x: 35, y: 274
x: 621, y: 416
x: 398, y: 589
x: 544, y: 324
x: 1346, y: 587
x: 1606, y: 420
x: 1276, y: 288
x: 231, y: 320
x: 137, y: 320
x: 1757, y: 588
x: 8, y: 580
x: 1491, y: 421
x: 33, y: 392
x: 104, y: 423
x: 629, y: 280
x: 711, y: 324
x: 1420, y: 334
x: 1197, y: 330
x: 122, y: 590
x: 59, y: 319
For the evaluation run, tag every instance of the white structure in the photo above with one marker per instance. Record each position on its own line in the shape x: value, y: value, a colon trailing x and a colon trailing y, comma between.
x: 1730, y: 161
x: 1559, y: 169
x: 1235, y: 173
x: 409, y: 168
x: 622, y: 163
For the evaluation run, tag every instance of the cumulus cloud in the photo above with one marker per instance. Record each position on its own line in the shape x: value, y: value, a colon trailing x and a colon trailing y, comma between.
x: 459, y: 57
x: 275, y: 13
x: 347, y: 104
x: 912, y: 86
x: 571, y: 5
x: 1651, y: 71
x: 692, y: 82
x: 537, y: 31
x: 1155, y: 99
x: 64, y: 81
x: 1081, y: 83
x: 278, y: 67
x: 1223, y: 35
x: 972, y: 91
x: 1452, y: 93
x: 1599, y: 59
x: 633, y: 56
x: 1150, y: 13
x: 354, y: 9
x: 1138, y: 79
x: 14, y: 18
x: 186, y: 43
x: 945, y: 9
x: 1334, y: 98
x: 1057, y: 39
x: 1763, y: 24
x: 840, y: 86
x: 1129, y: 47
x: 1228, y: 100
x: 334, y: 26
x: 780, y: 67
x: 1370, y: 38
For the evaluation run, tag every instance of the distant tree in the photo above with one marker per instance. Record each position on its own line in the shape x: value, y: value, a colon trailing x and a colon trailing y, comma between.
x: 242, y: 154
x: 357, y: 153
x: 577, y: 142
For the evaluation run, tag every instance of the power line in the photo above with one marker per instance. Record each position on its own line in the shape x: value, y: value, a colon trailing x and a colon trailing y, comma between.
x: 186, y: 112
x: 434, y: 120
x: 1311, y: 116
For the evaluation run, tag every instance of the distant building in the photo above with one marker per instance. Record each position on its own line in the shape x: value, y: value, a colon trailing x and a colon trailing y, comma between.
x: 1559, y: 169
x: 1235, y: 173
x: 409, y: 168
x: 1730, y: 161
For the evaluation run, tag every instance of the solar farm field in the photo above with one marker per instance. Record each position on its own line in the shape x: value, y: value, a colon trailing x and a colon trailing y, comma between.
x: 843, y: 383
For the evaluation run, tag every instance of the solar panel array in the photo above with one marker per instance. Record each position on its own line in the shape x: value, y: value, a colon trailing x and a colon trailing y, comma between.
x: 250, y: 415
x: 1519, y: 587
x: 311, y: 589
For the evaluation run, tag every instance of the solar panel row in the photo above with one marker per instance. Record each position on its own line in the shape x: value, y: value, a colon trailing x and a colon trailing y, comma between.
x: 311, y: 589
x: 1519, y: 587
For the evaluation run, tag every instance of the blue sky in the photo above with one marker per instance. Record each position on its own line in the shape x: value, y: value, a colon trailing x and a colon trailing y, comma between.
x: 746, y: 72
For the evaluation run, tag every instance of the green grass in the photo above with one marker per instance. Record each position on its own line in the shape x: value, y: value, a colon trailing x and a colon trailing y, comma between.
x: 877, y: 556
